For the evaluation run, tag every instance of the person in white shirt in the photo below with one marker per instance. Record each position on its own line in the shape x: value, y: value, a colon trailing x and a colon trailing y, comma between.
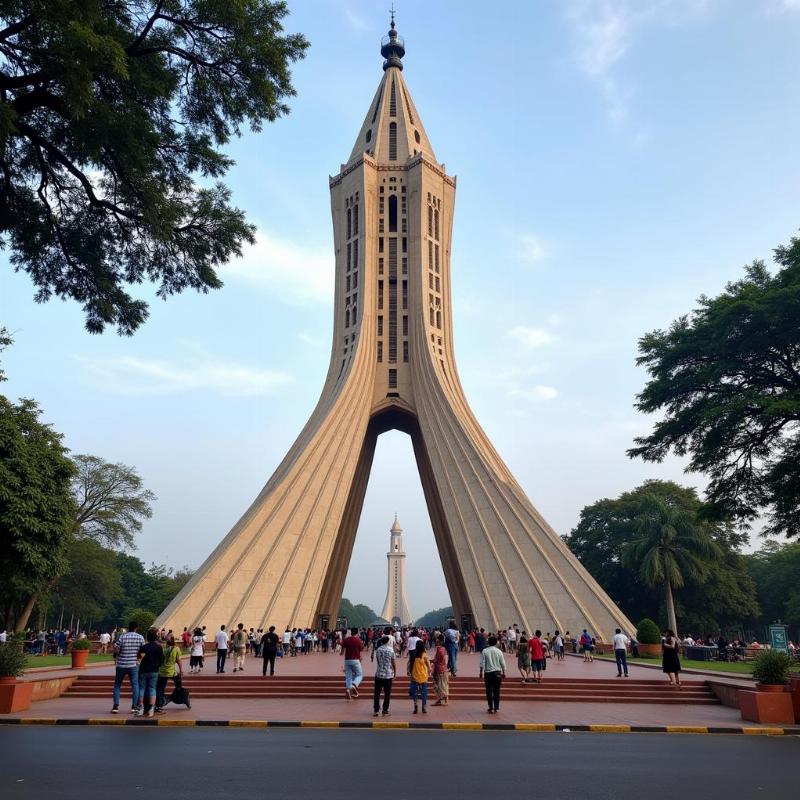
x: 621, y: 642
x: 105, y: 641
x: 412, y: 640
x: 3, y: 636
x: 286, y: 641
x: 221, y: 639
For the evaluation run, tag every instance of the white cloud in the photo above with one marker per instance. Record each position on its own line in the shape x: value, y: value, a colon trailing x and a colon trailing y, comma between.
x: 530, y: 248
x: 783, y: 6
x: 134, y: 375
x: 604, y: 31
x: 354, y: 19
x: 530, y: 338
x: 298, y: 274
x: 533, y: 392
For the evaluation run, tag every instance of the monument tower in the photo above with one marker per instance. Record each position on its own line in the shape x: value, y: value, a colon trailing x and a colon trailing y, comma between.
x: 392, y: 366
x: 395, y: 609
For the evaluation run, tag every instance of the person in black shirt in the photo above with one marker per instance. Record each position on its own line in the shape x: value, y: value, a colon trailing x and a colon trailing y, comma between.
x: 269, y: 649
x: 151, y: 656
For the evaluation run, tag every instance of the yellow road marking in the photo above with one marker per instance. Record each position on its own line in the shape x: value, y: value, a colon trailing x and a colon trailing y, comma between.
x: 610, y: 728
x: 534, y: 726
x: 686, y: 729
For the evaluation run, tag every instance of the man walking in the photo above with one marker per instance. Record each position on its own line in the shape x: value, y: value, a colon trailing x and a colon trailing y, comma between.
x: 126, y: 655
x: 239, y: 648
x: 385, y: 670
x: 451, y: 637
x: 351, y: 649
x: 269, y: 649
x: 221, y: 639
x: 493, y: 671
x: 621, y: 642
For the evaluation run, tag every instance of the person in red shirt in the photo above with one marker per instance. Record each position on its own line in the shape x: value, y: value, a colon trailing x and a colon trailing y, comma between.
x: 537, y: 656
x: 353, y: 674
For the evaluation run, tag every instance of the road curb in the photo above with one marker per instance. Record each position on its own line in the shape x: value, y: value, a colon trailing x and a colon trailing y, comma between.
x: 162, y: 722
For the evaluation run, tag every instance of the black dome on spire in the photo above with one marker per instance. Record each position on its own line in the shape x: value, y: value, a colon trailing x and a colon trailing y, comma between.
x: 393, y: 48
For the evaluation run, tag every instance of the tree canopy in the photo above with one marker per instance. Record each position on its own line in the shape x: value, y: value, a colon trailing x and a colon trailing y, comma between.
x: 727, y: 380
x: 36, y: 505
x: 724, y: 597
x: 435, y: 618
x: 111, y: 501
x: 112, y: 116
x: 775, y: 569
x: 358, y: 615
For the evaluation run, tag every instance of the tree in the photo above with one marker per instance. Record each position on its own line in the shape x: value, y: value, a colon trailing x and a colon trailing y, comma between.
x: 435, y: 618
x: 727, y: 380
x: 36, y: 507
x: 111, y: 501
x: 670, y: 546
x: 724, y: 598
x: 5, y: 341
x: 775, y: 569
x: 357, y: 615
x: 112, y: 116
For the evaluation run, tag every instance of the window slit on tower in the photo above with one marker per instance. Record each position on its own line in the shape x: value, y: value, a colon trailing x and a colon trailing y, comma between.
x: 393, y: 102
x: 392, y: 300
x: 392, y: 141
x: 392, y: 213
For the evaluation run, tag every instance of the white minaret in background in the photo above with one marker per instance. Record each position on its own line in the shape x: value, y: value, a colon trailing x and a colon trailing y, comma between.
x: 395, y: 609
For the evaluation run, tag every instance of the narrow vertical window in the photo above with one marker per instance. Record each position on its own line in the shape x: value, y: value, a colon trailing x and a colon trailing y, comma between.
x: 435, y: 223
x: 349, y: 223
x: 436, y: 258
x: 405, y: 324
x: 349, y: 247
x: 405, y: 352
x: 355, y: 254
x: 380, y: 324
x: 380, y: 352
x: 380, y: 266
x: 393, y: 102
x: 430, y: 256
x: 392, y: 213
x: 433, y: 317
x: 355, y: 280
x: 405, y: 266
x: 347, y: 284
x: 430, y: 221
x: 405, y: 295
x: 380, y: 295
x: 355, y: 222
x: 347, y: 318
x: 380, y: 244
x: 392, y: 141
x: 438, y: 319
x: 392, y: 378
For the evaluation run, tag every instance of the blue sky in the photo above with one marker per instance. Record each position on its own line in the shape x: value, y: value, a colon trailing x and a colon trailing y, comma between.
x: 615, y: 160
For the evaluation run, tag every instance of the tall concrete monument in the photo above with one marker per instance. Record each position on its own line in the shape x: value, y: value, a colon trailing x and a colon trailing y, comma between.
x: 393, y: 366
x: 396, y: 609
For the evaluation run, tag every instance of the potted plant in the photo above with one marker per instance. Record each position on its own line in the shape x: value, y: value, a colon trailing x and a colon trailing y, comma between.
x: 794, y: 686
x: 79, y: 651
x: 14, y: 695
x: 649, y: 638
x: 771, y: 702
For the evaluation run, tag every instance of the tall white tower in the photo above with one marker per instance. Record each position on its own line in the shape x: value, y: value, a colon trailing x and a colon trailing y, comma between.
x: 395, y: 609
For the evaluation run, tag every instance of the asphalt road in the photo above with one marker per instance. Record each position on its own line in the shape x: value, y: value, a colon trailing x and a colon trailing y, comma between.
x: 199, y: 763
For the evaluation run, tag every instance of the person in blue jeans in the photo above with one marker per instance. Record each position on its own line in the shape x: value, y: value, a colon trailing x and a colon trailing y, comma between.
x: 152, y: 657
x: 351, y: 649
x: 451, y: 637
x: 621, y: 642
x: 126, y: 656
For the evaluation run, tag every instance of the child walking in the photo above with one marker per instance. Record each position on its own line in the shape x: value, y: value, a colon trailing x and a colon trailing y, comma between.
x: 419, y: 670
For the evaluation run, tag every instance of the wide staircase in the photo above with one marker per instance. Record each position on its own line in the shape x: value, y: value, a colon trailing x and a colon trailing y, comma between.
x: 564, y: 690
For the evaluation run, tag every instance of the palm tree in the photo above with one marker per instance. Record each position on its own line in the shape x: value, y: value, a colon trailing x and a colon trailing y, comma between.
x: 671, y: 545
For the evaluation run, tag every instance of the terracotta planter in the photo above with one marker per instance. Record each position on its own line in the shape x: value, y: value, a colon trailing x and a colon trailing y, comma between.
x: 794, y: 683
x: 14, y: 695
x: 771, y: 687
x: 773, y: 707
x: 79, y: 658
x: 649, y: 650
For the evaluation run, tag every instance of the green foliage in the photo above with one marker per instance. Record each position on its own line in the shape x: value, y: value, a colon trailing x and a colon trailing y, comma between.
x: 91, y: 582
x: 112, y: 116
x: 112, y: 501
x: 772, y: 667
x: 775, y: 569
x: 5, y: 341
x: 12, y: 658
x: 36, y: 505
x: 81, y: 644
x: 143, y: 618
x: 357, y: 615
x: 435, y: 618
x: 647, y: 632
x: 726, y: 379
x: 724, y: 596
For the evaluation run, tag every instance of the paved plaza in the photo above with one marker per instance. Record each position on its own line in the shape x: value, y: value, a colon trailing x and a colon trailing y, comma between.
x: 469, y: 711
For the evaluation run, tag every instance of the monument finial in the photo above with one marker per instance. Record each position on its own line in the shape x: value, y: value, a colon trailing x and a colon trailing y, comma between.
x: 392, y: 47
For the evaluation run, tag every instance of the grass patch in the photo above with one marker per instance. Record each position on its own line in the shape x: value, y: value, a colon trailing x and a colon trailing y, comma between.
x: 738, y: 667
x: 61, y: 661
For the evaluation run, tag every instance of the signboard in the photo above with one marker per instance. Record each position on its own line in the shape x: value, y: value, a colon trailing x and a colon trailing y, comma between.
x: 778, y: 638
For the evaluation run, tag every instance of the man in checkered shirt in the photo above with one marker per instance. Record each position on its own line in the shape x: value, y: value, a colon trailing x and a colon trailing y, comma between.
x: 126, y: 655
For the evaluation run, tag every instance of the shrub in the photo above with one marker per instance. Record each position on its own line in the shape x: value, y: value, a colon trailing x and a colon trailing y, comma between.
x: 647, y: 632
x: 81, y: 644
x: 772, y: 667
x: 144, y: 619
x: 12, y: 658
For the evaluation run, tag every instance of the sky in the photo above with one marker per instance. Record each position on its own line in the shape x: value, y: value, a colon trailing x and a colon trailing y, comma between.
x: 616, y: 159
